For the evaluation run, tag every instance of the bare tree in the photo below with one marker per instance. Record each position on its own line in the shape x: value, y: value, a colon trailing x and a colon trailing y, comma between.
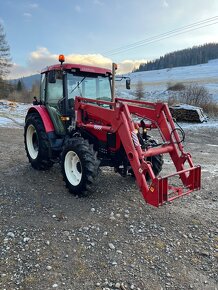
x: 139, y: 90
x: 5, y: 59
x: 35, y: 90
x: 196, y: 95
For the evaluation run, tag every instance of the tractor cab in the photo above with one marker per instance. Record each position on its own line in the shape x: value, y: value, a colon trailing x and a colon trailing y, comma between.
x: 61, y: 84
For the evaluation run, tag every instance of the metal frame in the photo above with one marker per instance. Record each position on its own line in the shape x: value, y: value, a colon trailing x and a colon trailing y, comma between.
x: 118, y: 120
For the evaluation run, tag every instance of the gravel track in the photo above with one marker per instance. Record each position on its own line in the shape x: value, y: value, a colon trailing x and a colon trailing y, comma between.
x: 49, y: 239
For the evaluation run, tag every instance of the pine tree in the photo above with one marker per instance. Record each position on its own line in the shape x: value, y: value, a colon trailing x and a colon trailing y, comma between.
x: 19, y: 86
x: 190, y: 56
x: 139, y: 90
x: 5, y: 60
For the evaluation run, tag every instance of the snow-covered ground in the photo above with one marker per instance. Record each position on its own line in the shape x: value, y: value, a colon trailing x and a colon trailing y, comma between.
x: 156, y: 82
x: 12, y: 114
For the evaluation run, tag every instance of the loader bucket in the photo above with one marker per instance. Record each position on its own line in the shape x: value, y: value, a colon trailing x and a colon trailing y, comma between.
x: 161, y: 191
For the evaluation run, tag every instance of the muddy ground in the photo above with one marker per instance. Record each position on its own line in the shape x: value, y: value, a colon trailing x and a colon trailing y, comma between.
x: 50, y: 239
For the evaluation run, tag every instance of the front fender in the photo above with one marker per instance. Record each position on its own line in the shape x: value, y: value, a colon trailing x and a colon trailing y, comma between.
x: 42, y: 111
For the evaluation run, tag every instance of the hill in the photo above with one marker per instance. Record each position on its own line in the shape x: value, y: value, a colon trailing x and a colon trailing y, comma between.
x: 190, y: 56
x: 27, y: 81
x: 155, y: 82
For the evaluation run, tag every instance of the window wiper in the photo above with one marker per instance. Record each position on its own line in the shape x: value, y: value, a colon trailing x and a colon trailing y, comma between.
x: 77, y: 86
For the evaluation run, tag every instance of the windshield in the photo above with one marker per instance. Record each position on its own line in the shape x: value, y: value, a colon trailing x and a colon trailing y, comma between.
x: 92, y: 87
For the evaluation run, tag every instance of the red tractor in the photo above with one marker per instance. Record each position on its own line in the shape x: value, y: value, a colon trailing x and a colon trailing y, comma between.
x: 80, y: 123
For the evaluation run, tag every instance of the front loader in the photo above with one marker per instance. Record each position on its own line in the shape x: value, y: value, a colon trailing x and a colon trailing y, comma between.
x: 80, y: 123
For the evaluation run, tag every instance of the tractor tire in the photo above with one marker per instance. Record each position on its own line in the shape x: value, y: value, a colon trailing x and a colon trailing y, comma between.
x: 79, y: 165
x: 37, y: 144
x: 156, y: 161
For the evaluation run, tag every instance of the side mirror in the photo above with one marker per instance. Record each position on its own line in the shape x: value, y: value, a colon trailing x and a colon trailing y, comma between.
x: 128, y: 84
x: 52, y: 77
x: 36, y: 102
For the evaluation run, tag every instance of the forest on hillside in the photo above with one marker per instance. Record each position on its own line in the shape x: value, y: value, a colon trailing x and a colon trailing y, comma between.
x: 190, y: 56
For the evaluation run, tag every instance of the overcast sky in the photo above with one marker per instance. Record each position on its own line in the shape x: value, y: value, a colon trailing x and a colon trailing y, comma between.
x: 89, y: 31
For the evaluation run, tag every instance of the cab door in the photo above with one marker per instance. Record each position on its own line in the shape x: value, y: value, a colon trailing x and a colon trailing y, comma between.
x: 54, y: 95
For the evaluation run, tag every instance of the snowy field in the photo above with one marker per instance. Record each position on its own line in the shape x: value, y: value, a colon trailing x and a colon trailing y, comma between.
x: 12, y: 114
x: 155, y: 85
x: 156, y: 82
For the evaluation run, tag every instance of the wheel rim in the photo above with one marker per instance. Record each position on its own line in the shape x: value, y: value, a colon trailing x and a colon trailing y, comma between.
x: 73, y: 168
x: 32, y: 142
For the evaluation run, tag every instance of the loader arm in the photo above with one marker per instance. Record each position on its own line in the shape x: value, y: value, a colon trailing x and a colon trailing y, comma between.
x: 118, y: 119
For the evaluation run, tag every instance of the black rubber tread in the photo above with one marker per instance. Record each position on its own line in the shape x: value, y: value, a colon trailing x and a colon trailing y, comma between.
x: 156, y: 161
x: 42, y: 161
x: 89, y: 162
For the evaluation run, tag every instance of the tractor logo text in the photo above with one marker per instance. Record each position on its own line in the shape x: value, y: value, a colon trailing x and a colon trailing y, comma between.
x: 98, y: 127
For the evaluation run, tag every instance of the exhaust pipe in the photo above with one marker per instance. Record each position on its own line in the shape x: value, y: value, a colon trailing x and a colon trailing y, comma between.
x: 114, y: 68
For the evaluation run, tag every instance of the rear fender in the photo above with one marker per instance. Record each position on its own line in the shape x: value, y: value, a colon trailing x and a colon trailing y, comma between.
x: 42, y: 111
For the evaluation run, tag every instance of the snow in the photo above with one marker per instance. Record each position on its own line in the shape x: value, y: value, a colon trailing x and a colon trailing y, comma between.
x: 155, y: 86
x: 195, y: 72
x: 211, y: 123
x: 4, y: 122
x: 186, y: 107
x: 156, y: 82
x: 12, y: 114
x: 18, y: 113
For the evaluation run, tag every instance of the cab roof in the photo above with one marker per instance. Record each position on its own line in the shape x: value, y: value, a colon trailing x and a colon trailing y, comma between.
x: 78, y: 68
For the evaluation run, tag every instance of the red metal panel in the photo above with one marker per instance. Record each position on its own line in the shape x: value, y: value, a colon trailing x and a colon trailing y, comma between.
x: 80, y: 67
x: 42, y: 111
x: 118, y: 120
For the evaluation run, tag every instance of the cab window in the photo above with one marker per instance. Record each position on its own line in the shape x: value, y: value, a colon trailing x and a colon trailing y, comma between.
x: 42, y: 88
x: 91, y: 87
x: 55, y: 89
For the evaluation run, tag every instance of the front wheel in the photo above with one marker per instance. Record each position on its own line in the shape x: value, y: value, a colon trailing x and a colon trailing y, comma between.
x: 36, y: 142
x: 79, y: 165
x: 157, y: 164
x: 156, y: 161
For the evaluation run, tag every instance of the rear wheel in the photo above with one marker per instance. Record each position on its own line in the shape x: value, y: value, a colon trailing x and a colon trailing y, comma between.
x: 79, y: 165
x: 36, y: 142
x: 156, y: 161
